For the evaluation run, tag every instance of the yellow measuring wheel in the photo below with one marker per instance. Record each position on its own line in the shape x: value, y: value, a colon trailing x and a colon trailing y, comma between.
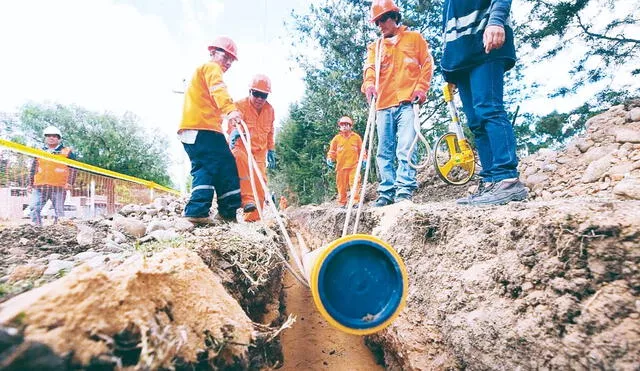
x: 453, y: 157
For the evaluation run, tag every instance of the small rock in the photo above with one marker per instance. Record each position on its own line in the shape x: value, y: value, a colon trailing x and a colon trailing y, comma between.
x: 85, y: 235
x: 131, y: 226
x: 160, y: 203
x: 183, y: 225
x: 56, y: 266
x: 28, y: 271
x: 118, y: 237
x: 151, y: 212
x: 628, y: 188
x: 625, y: 135
x: 86, y: 255
x: 535, y: 179
x: 96, y: 261
x: 54, y: 256
x: 156, y: 225
x: 23, y: 241
x: 129, y: 209
x: 634, y: 114
x: 584, y: 144
x: 596, y: 170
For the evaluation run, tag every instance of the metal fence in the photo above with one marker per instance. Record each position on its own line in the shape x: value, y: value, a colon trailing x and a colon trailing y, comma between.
x: 94, y: 192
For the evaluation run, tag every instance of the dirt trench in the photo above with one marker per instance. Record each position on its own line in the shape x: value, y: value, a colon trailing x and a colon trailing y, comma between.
x: 525, y: 286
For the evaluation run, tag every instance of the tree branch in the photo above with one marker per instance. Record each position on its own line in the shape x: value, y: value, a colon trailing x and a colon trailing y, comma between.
x: 599, y: 36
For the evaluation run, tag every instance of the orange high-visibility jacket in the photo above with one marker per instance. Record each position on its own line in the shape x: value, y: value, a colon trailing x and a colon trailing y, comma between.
x: 406, y: 65
x: 260, y: 127
x: 345, y: 149
x: 51, y: 173
x: 206, y: 100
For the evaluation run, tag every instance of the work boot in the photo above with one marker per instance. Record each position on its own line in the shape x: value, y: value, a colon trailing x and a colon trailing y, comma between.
x: 501, y: 193
x: 482, y: 188
x: 382, y: 201
x: 219, y: 218
x: 205, y: 220
x: 249, y: 207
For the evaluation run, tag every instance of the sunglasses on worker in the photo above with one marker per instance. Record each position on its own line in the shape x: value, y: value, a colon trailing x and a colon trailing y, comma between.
x: 259, y: 94
x: 383, y: 18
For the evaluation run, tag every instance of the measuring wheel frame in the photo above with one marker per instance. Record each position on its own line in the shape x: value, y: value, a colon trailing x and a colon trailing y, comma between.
x: 461, y: 158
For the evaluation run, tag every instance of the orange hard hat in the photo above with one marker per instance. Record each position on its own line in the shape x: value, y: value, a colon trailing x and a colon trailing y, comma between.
x: 345, y: 120
x: 379, y: 7
x: 225, y: 43
x: 261, y: 83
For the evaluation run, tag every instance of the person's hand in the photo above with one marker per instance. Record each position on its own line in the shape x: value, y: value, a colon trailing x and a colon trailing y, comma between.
x: 418, y: 96
x: 233, y: 137
x: 331, y: 164
x: 370, y: 92
x: 68, y: 186
x: 234, y: 117
x: 493, y: 38
x: 29, y: 189
x: 271, y: 159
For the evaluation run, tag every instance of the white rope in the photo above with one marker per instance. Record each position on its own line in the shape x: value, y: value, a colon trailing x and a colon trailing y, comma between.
x: 418, y: 137
x: 368, y: 137
x: 246, y: 140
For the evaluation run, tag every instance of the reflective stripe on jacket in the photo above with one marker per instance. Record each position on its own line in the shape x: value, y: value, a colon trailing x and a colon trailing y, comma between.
x: 344, y: 150
x: 206, y: 100
x: 406, y: 65
x: 260, y: 127
x: 51, y: 173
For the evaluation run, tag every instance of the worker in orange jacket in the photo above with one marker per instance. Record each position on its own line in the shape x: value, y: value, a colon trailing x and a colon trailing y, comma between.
x: 213, y: 169
x: 259, y: 116
x: 49, y: 180
x: 403, y: 65
x: 343, y: 154
x: 283, y: 203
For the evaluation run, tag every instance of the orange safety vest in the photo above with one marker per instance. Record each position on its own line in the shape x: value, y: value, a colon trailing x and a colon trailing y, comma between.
x: 406, y: 66
x: 345, y: 149
x: 52, y: 173
x: 260, y: 127
x: 206, y: 100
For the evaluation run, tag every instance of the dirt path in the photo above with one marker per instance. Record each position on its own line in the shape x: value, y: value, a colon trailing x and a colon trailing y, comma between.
x: 312, y: 344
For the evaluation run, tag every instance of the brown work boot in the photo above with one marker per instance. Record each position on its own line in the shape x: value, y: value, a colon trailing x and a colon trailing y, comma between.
x: 205, y: 220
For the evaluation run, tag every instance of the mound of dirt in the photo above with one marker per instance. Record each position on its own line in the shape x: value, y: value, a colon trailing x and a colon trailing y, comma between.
x: 171, y: 304
x: 603, y: 162
x: 529, y: 285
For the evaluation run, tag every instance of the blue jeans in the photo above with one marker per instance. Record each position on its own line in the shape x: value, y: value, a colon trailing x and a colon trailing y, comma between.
x: 43, y: 193
x: 395, y: 134
x: 481, y: 92
x: 213, y: 168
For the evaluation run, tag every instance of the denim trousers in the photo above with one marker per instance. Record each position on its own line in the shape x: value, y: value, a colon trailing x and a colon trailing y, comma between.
x: 41, y: 194
x: 481, y: 91
x: 213, y: 169
x: 395, y: 134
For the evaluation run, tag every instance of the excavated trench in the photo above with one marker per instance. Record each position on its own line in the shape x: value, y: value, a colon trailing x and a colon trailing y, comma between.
x: 529, y: 285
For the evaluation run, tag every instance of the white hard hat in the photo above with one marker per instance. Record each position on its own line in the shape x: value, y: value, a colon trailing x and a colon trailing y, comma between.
x: 52, y: 130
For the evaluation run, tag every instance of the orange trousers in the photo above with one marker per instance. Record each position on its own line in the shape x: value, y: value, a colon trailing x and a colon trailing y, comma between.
x: 344, y: 181
x: 246, y: 192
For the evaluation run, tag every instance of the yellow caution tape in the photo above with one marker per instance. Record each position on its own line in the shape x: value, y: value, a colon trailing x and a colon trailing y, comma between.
x: 17, y: 147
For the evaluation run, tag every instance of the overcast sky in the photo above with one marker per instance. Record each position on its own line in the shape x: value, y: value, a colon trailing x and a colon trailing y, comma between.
x: 129, y: 55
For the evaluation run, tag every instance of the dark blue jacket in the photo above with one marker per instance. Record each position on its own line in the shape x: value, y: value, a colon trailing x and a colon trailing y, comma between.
x: 463, y: 24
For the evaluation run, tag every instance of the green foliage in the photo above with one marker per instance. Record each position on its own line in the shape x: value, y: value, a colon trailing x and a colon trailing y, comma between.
x: 105, y: 140
x: 341, y: 31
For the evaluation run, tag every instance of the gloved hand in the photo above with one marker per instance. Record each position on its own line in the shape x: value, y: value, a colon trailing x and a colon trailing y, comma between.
x: 233, y: 137
x: 234, y: 117
x: 418, y: 96
x: 271, y: 159
x: 370, y: 92
x: 331, y: 164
